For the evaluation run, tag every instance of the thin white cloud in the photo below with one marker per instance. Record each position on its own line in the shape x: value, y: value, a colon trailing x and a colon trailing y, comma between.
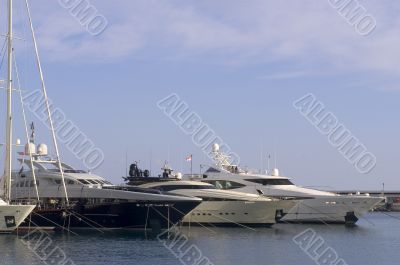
x: 287, y: 75
x: 310, y: 32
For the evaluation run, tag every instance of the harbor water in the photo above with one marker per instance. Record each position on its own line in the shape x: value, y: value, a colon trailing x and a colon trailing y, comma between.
x: 373, y: 241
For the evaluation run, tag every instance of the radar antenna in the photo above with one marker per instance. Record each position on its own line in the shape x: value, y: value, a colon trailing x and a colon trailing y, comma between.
x: 221, y: 160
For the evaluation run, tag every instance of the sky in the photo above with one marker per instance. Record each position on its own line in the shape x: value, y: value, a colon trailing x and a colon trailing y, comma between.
x: 239, y: 65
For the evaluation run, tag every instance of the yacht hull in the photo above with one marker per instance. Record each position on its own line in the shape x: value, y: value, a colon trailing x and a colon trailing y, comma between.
x: 11, y: 216
x: 238, y: 213
x: 332, y: 210
x: 130, y: 215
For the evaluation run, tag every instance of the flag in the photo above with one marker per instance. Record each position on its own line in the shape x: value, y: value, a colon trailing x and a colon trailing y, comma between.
x: 189, y: 158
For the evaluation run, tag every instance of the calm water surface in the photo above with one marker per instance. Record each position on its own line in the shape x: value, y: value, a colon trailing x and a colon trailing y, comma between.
x: 376, y: 240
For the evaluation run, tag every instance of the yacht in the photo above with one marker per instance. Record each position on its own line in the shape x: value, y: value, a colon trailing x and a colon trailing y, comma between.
x: 11, y: 215
x: 219, y: 207
x: 315, y: 207
x: 91, y: 202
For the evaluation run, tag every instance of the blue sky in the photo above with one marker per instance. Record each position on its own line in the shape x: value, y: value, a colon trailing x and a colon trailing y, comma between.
x: 239, y: 65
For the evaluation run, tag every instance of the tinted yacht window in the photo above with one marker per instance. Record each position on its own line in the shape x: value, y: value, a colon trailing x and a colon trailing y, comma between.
x: 271, y: 181
x: 225, y: 184
x: 212, y: 170
x: 181, y: 187
x: 83, y: 181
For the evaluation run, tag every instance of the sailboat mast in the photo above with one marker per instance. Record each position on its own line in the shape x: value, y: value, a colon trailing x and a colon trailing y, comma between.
x: 9, y: 136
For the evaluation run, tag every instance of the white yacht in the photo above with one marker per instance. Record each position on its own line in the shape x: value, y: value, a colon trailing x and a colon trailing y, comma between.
x: 316, y: 206
x: 11, y: 215
x: 220, y: 207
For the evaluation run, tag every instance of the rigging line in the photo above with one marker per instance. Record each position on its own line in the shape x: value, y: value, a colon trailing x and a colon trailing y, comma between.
x: 392, y: 216
x: 209, y: 229
x: 367, y: 220
x: 233, y: 222
x: 69, y: 221
x: 168, y: 217
x: 88, y: 219
x: 3, y: 54
x: 62, y: 227
x: 320, y: 219
x: 26, y: 131
x: 361, y: 216
x: 39, y: 65
x: 173, y: 225
x: 44, y: 231
x: 197, y: 222
x: 163, y: 216
x: 147, y: 218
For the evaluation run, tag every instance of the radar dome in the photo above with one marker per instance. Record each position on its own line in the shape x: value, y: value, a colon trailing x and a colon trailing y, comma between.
x: 275, y: 172
x: 215, y: 148
x: 30, y: 149
x: 42, y: 150
x: 179, y: 175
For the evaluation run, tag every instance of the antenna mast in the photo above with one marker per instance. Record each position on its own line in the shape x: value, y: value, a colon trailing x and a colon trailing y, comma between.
x: 9, y: 136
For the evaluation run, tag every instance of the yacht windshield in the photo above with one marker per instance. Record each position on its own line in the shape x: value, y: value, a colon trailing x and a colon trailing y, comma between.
x: 272, y: 182
x: 225, y: 184
x: 74, y: 171
x: 182, y: 187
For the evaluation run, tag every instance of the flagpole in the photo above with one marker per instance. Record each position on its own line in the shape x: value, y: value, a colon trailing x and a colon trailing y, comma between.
x: 191, y: 165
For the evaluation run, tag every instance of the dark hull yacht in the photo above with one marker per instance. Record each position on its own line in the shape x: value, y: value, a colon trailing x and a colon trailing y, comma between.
x: 128, y: 215
x: 88, y: 201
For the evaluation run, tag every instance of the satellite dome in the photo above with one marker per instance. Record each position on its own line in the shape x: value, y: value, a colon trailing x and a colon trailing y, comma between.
x: 215, y: 148
x: 275, y: 172
x: 42, y: 150
x: 30, y: 149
